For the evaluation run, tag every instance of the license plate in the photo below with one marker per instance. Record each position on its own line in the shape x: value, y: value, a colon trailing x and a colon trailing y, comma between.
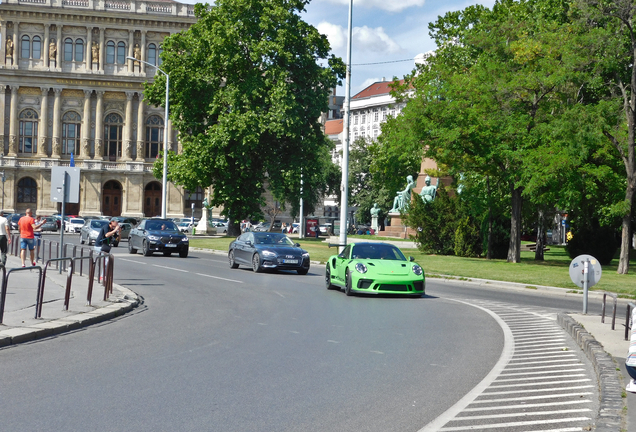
x: 171, y: 245
x: 286, y: 261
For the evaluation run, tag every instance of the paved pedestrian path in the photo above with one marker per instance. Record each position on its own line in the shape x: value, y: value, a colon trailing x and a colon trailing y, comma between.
x: 19, y: 321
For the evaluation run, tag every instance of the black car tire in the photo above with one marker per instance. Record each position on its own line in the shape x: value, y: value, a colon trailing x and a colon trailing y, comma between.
x: 82, y: 239
x: 183, y: 253
x: 348, y: 283
x: 328, y: 283
x: 145, y: 248
x: 256, y: 263
x: 302, y: 271
x: 167, y: 254
x: 131, y: 249
x: 230, y: 258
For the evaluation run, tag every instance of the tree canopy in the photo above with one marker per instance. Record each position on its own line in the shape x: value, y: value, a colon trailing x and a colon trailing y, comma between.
x: 248, y: 82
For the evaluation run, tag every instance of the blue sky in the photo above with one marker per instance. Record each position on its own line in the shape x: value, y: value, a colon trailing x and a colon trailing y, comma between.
x: 383, y: 31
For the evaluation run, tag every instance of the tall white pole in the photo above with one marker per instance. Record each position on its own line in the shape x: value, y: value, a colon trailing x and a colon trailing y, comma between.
x: 164, y: 185
x: 344, y: 186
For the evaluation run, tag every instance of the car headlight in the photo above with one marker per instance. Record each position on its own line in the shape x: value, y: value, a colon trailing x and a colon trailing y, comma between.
x: 185, y: 239
x: 267, y: 253
x: 417, y: 270
x: 154, y: 238
x: 305, y: 254
x: 361, y: 268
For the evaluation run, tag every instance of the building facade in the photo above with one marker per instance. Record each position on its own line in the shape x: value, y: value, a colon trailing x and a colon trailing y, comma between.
x: 69, y: 90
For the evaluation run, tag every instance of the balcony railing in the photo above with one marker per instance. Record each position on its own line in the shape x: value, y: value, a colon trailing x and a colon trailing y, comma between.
x: 88, y: 164
x: 135, y: 6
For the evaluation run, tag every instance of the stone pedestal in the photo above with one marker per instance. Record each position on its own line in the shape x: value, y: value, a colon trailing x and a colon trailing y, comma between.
x: 397, y: 229
x: 374, y: 223
x: 203, y: 227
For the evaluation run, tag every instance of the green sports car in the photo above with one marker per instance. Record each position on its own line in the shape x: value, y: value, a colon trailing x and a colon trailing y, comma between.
x: 374, y: 268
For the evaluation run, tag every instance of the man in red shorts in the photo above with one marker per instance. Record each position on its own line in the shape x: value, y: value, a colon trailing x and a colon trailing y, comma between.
x: 26, y: 225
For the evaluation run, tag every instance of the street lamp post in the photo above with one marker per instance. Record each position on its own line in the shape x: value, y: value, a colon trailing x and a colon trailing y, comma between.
x: 164, y: 185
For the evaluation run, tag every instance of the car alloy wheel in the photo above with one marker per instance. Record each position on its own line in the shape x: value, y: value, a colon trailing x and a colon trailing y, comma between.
x: 348, y: 283
x: 230, y: 258
x: 256, y: 263
x: 146, y: 248
x: 131, y: 249
x: 328, y: 283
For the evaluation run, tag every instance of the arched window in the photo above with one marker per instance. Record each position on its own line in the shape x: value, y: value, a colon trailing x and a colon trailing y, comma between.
x: 113, y: 127
x: 152, y: 54
x: 25, y: 47
x: 154, y: 136
x: 79, y: 50
x: 36, y: 47
x: 121, y: 53
x: 159, y: 55
x: 71, y: 122
x: 28, y: 139
x: 68, y: 49
x: 110, y: 52
x: 27, y: 190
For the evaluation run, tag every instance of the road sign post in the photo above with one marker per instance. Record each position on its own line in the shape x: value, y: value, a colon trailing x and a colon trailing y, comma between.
x: 585, y: 272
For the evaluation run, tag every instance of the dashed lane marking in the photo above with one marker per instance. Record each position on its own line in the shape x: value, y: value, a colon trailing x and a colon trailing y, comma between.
x: 133, y: 261
x: 171, y: 268
x: 217, y: 277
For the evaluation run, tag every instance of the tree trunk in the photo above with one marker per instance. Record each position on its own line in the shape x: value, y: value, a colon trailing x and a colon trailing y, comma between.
x: 538, y: 254
x: 514, y: 248
x: 489, y: 246
x: 233, y: 229
x: 623, y: 262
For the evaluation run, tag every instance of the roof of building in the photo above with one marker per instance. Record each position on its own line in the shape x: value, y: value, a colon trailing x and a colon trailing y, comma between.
x: 333, y: 127
x: 376, y: 89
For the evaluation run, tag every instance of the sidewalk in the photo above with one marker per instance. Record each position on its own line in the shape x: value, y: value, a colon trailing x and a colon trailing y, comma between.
x: 19, y: 322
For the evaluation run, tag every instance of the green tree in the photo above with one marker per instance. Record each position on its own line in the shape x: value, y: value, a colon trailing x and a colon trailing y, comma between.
x: 247, y: 91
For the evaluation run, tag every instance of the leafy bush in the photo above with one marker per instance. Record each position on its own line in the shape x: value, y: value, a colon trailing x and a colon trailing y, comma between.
x: 500, y: 237
x: 600, y: 242
x: 434, y: 222
x: 467, y: 238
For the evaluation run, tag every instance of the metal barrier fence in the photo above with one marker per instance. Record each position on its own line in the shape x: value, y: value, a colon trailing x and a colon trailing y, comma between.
x: 96, y: 262
x: 614, y: 296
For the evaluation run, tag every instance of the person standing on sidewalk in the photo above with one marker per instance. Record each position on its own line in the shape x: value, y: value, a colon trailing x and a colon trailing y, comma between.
x: 5, y: 238
x: 27, y: 226
x: 630, y: 361
x: 107, y: 235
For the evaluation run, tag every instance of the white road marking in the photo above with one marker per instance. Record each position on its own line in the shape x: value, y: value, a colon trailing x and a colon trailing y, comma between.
x: 216, y: 277
x: 132, y: 261
x: 566, y: 369
x: 333, y: 341
x: 279, y: 294
x: 513, y: 424
x: 538, y: 377
x: 541, y: 383
x: 536, y: 390
x: 522, y: 398
x: 524, y: 406
x: 171, y: 268
x: 376, y: 352
x: 523, y: 414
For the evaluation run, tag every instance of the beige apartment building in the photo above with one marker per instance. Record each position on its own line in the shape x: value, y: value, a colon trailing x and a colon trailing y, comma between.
x: 67, y: 87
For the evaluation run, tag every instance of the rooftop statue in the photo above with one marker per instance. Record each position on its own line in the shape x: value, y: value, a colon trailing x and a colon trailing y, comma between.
x: 428, y: 192
x: 403, y: 198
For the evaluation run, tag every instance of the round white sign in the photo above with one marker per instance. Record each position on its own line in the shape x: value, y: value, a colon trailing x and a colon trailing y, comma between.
x: 579, y: 271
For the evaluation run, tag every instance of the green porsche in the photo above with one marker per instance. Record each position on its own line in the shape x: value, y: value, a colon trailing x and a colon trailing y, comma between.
x: 374, y: 268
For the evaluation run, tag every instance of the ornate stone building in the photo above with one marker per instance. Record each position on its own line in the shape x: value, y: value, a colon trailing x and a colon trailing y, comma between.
x: 67, y: 88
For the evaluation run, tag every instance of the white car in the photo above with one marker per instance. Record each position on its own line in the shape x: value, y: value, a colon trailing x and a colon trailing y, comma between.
x: 74, y: 225
x: 185, y: 227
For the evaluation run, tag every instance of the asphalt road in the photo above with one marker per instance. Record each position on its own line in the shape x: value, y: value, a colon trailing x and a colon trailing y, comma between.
x: 229, y: 350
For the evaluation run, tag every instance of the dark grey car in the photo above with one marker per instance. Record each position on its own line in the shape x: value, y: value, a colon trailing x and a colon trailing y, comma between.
x: 158, y: 235
x: 267, y: 250
x: 90, y: 231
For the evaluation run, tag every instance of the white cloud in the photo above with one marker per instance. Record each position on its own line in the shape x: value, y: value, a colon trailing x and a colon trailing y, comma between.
x: 387, y: 5
x: 365, y: 39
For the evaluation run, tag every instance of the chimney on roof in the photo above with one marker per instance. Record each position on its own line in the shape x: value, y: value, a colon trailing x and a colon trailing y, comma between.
x: 383, y: 79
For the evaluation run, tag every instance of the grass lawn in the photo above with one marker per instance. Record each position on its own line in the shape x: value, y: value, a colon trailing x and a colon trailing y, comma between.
x: 553, y: 271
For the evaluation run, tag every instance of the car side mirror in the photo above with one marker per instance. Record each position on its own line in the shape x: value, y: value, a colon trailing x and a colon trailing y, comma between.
x: 411, y: 259
x: 249, y: 243
x: 297, y: 244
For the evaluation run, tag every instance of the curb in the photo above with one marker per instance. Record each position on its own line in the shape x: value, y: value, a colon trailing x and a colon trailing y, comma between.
x: 610, y: 416
x: 124, y: 302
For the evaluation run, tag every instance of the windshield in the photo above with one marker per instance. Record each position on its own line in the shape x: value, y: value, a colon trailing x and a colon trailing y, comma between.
x: 98, y: 223
x: 377, y: 251
x: 77, y: 221
x: 272, y: 239
x: 161, y: 226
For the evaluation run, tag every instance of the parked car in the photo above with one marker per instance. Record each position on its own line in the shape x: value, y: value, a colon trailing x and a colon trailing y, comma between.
x: 221, y: 227
x: 158, y: 235
x: 374, y: 268
x: 13, y: 220
x: 267, y: 250
x: 124, y: 234
x: 261, y: 227
x: 74, y: 225
x: 123, y: 219
x: 50, y: 224
x: 185, y: 227
x: 90, y: 231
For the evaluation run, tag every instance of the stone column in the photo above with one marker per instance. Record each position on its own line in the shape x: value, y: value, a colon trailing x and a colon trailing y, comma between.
x: 3, y: 44
x: 128, y: 121
x: 89, y: 44
x: 16, y: 43
x: 45, y: 47
x: 13, y: 120
x: 58, y: 58
x: 85, y: 152
x: 131, y: 44
x: 102, y: 47
x: 56, y: 151
x: 141, y: 151
x: 2, y: 116
x: 44, y: 124
x: 143, y: 51
x: 99, y: 124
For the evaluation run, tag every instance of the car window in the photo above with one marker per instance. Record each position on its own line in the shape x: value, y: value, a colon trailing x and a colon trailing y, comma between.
x: 98, y: 223
x: 345, y: 252
x: 273, y: 239
x: 377, y: 251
